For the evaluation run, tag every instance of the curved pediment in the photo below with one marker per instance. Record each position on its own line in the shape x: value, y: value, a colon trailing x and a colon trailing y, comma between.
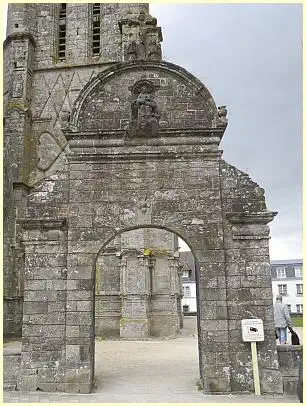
x: 144, y: 99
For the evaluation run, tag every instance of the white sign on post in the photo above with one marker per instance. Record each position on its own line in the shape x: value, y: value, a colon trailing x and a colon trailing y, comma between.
x: 252, y: 330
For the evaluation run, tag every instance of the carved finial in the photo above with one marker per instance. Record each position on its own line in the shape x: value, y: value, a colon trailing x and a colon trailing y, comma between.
x: 140, y: 37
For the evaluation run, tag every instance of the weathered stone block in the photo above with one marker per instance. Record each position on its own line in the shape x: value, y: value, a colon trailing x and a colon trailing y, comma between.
x: 72, y: 331
x: 28, y: 383
x: 39, y: 296
x: 80, y: 272
x: 71, y: 305
x: 84, y: 284
x: 45, y: 273
x: 35, y: 285
x: 42, y: 330
x: 49, y: 375
x: 73, y: 353
x: 35, y: 307
x: 47, y: 318
x: 56, y: 285
x: 84, y: 306
x: 77, y: 376
x: 80, y: 318
x: 79, y: 295
x: 58, y: 306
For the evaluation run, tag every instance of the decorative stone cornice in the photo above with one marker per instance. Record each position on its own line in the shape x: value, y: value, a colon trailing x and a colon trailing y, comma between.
x: 264, y: 217
x: 142, y: 156
x: 170, y: 143
x: 131, y: 252
x: 119, y: 134
x: 43, y: 223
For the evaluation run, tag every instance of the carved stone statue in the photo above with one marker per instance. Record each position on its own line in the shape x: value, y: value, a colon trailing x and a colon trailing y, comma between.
x: 222, y: 112
x: 131, y: 52
x: 136, y: 50
x: 144, y: 112
x: 153, y: 52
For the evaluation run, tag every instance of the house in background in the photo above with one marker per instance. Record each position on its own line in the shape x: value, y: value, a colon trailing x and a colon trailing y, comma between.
x: 189, y: 300
x: 287, y: 280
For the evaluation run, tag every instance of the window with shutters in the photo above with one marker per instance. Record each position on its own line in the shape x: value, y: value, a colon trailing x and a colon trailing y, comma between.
x: 299, y: 308
x: 187, y: 292
x: 299, y: 289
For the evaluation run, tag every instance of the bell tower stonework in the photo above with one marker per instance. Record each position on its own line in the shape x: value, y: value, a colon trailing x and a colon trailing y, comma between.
x: 103, y: 137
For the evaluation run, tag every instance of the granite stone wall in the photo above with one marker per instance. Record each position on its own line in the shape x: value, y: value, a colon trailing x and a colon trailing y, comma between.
x: 290, y: 357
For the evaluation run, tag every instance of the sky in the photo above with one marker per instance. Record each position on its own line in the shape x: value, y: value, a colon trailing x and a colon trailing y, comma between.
x: 249, y: 56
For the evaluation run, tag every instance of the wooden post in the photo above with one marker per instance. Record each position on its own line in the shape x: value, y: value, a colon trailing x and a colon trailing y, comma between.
x: 255, y: 368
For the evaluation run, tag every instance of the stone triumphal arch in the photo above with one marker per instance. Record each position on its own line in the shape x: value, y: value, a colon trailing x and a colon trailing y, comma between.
x: 142, y: 151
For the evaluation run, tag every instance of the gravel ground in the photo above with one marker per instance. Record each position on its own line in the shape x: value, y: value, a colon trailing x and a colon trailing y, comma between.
x: 147, y: 371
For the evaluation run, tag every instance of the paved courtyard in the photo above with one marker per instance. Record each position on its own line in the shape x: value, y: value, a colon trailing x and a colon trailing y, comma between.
x: 147, y: 371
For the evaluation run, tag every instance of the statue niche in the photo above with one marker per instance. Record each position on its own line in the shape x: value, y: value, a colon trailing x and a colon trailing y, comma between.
x: 144, y: 121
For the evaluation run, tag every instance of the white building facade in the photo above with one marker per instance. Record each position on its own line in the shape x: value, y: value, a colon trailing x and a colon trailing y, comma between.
x: 287, y: 280
x: 189, y: 300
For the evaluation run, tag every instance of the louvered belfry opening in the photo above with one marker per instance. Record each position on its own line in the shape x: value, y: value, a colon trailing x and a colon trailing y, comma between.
x: 96, y: 20
x: 62, y: 32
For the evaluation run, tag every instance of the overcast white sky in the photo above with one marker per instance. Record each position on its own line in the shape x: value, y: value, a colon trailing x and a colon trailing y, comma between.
x: 250, y: 58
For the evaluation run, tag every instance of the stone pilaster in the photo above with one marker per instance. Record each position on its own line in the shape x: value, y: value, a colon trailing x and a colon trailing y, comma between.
x: 44, y: 313
x: 249, y: 295
x: 135, y: 292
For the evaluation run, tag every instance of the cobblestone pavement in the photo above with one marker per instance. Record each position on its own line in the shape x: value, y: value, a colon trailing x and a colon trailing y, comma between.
x: 146, y: 371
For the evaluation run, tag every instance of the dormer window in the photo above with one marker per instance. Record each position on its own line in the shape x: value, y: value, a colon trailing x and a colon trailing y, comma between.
x: 281, y: 273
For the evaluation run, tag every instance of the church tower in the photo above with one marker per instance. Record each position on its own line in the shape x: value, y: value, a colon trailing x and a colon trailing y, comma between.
x: 51, y: 52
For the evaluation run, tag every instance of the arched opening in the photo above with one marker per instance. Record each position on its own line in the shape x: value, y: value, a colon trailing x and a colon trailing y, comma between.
x: 146, y: 314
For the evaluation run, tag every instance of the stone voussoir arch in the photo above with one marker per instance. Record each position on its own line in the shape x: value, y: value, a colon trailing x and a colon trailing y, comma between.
x: 120, y: 231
